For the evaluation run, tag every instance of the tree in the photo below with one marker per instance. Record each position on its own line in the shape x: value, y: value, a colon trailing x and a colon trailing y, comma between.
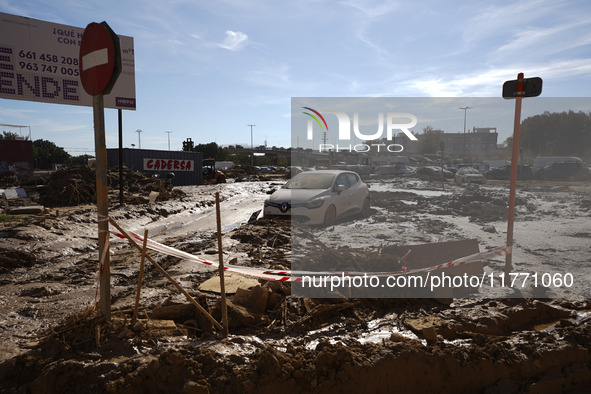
x: 429, y: 140
x: 46, y: 154
x: 212, y: 150
x: 557, y: 134
x: 8, y: 135
x: 81, y: 160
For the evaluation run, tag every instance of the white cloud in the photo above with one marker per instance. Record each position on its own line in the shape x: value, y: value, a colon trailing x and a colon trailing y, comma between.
x: 234, y: 41
x: 277, y: 76
x: 375, y: 10
x: 484, y: 83
x: 19, y: 113
x: 499, y: 20
x: 547, y: 40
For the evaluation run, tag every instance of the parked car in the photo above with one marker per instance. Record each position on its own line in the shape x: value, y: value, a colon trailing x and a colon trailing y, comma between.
x: 320, y: 197
x: 434, y: 172
x: 294, y: 170
x: 504, y: 172
x: 564, y: 171
x: 265, y: 170
x: 393, y: 169
x: 468, y: 175
x: 542, y: 162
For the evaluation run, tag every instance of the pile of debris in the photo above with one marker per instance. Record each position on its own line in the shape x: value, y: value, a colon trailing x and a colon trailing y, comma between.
x: 241, y: 171
x: 77, y: 185
x: 252, y: 174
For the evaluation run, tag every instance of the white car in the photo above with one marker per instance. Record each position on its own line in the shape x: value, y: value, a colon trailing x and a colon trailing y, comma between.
x: 320, y: 197
x: 468, y: 175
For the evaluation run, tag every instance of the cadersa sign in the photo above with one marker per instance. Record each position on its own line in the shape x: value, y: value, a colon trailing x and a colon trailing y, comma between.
x: 168, y: 165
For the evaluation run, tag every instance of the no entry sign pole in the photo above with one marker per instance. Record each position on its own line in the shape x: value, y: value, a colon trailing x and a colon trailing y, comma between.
x: 100, y: 65
x: 517, y: 89
x: 102, y: 204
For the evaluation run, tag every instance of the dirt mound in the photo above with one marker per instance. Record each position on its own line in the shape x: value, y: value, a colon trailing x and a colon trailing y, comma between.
x: 240, y: 171
x: 77, y: 185
x: 11, y: 259
x: 87, y: 354
x: 478, y: 206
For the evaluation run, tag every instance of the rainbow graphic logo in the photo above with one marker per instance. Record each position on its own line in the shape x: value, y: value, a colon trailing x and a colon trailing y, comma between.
x: 315, y: 118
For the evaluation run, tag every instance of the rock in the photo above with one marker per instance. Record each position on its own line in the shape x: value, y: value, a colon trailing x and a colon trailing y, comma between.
x: 430, y: 334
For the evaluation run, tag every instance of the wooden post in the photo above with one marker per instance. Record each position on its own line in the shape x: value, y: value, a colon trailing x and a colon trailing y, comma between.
x: 170, y: 278
x: 221, y: 266
x: 102, y: 204
x: 513, y: 182
x: 139, y: 280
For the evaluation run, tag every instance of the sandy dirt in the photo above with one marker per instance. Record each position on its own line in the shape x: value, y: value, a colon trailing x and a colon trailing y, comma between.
x: 53, y: 339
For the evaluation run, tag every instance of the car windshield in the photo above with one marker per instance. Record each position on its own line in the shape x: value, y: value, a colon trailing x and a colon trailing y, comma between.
x: 310, y: 180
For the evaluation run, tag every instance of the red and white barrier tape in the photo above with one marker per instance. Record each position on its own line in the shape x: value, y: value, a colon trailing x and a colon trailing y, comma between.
x: 296, y: 276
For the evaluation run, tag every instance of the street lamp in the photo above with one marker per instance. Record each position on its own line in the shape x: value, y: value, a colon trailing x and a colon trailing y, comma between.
x: 168, y: 132
x: 251, y: 145
x: 139, y: 141
x: 464, y: 149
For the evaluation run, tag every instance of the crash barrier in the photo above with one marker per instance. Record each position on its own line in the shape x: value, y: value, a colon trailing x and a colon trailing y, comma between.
x: 296, y: 276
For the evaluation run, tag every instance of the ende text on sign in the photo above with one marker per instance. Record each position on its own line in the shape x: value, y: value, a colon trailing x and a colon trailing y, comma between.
x: 25, y: 84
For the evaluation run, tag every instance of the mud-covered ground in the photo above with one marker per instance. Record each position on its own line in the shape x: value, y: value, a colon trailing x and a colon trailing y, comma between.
x: 53, y: 339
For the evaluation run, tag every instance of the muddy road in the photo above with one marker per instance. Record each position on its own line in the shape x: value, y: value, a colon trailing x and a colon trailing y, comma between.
x: 53, y: 339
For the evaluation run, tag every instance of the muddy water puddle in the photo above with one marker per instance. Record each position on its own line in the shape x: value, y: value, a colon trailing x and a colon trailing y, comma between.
x: 580, y: 317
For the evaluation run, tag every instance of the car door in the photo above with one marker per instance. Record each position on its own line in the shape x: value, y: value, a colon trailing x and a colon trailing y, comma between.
x: 342, y: 201
x: 358, y: 193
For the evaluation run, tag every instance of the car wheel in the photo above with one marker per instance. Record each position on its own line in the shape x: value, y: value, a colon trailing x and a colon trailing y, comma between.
x: 366, y: 208
x: 330, y: 216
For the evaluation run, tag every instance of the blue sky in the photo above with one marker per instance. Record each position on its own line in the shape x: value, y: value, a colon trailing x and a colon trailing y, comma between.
x: 206, y: 69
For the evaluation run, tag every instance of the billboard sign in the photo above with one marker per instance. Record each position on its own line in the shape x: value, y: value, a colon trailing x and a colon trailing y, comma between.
x: 39, y: 61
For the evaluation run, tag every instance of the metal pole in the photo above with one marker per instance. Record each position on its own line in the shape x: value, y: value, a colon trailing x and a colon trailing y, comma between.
x: 120, y: 116
x: 102, y: 205
x: 464, y: 149
x: 168, y: 132
x: 139, y: 141
x: 251, y: 146
x: 512, y: 185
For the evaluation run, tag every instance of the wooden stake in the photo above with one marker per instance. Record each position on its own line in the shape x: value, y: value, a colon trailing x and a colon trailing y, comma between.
x: 221, y: 266
x: 139, y: 280
x: 170, y: 278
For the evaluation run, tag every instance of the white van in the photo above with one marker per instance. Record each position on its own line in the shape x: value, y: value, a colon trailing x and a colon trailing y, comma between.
x: 542, y: 162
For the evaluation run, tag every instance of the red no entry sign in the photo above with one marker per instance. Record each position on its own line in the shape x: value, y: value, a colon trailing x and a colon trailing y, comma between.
x: 100, y: 59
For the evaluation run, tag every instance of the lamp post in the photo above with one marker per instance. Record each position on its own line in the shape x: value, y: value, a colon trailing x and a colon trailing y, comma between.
x: 139, y: 141
x: 168, y: 132
x: 251, y: 145
x: 464, y: 149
